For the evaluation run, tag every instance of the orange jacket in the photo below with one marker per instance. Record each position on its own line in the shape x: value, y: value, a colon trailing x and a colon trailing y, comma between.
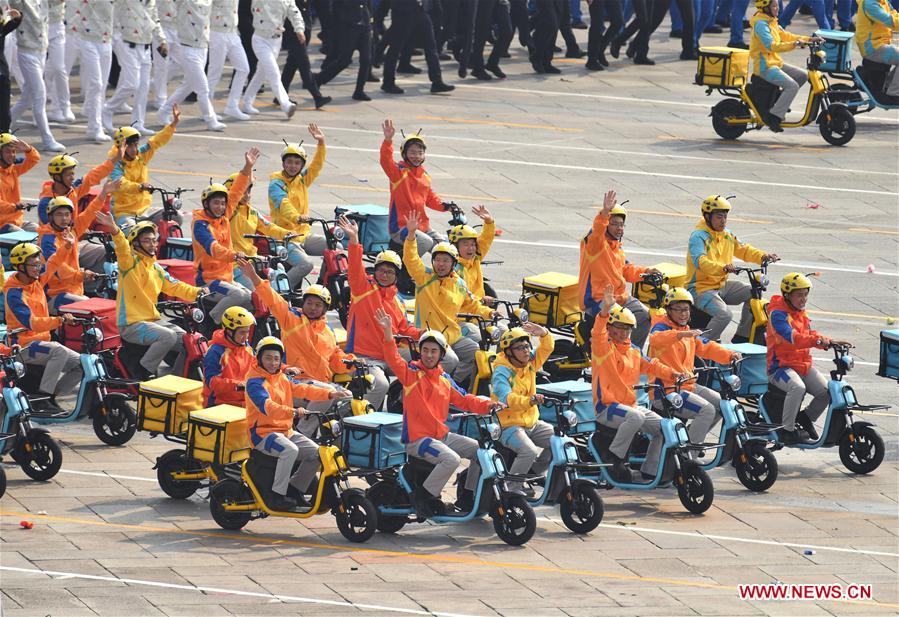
x: 617, y: 369
x: 364, y: 335
x: 67, y: 277
x: 789, y: 337
x: 9, y: 189
x: 225, y: 368
x: 603, y: 263
x: 427, y: 395
x: 410, y: 191
x: 213, y: 254
x: 680, y: 354
x: 26, y: 307
x: 81, y: 187
x: 269, y: 402
x: 311, y: 345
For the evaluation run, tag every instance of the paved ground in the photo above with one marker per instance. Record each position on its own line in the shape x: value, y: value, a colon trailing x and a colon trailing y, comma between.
x: 539, y: 151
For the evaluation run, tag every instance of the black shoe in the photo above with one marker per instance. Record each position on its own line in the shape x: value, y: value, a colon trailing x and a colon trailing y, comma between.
x: 481, y: 74
x: 807, y: 425
x: 418, y: 51
x: 615, y: 48
x: 463, y: 72
x: 713, y: 30
x: 444, y: 57
x: 579, y: 25
x: 439, y: 508
x: 496, y: 71
x: 506, y: 55
x: 631, y: 50
x: 538, y: 68
x: 576, y: 53
x: 46, y: 404
x: 594, y: 65
x: 647, y: 477
x: 644, y: 60
x: 321, y: 101
x: 440, y: 87
x: 848, y: 28
x: 556, y: 49
x: 361, y: 96
x: 408, y: 69
x: 601, y: 58
x: 372, y: 79
x: 689, y: 55
x: 676, y: 34
x: 551, y: 70
x: 282, y: 503
x: 391, y: 89
x: 886, y: 99
x: 738, y: 45
x: 421, y: 501
x: 790, y: 438
x: 773, y: 123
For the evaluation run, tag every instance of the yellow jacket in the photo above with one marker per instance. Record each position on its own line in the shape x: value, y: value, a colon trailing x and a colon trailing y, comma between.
x: 874, y: 25
x: 709, y: 251
x: 288, y: 198
x: 515, y: 386
x: 129, y: 200
x: 141, y: 280
x: 247, y: 220
x: 470, y: 269
x: 767, y: 41
x: 439, y: 300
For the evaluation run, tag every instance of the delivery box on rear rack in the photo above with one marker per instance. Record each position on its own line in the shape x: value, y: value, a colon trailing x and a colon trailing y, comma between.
x: 722, y: 67
x: 675, y: 276
x: 70, y: 335
x: 373, y: 440
x: 581, y: 393
x: 889, y: 354
x: 177, y: 247
x: 164, y: 404
x: 219, y: 435
x: 374, y: 235
x: 552, y: 299
x: 838, y: 47
x: 752, y: 371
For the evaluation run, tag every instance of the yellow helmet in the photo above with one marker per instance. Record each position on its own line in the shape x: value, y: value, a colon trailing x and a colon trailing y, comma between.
x: 6, y: 139
x: 318, y: 291
x: 389, y: 257
x: 59, y: 202
x: 761, y: 4
x: 139, y: 229
x: 445, y: 247
x: 793, y: 281
x: 60, y: 163
x: 21, y: 252
x: 623, y: 316
x: 413, y: 139
x: 124, y: 134
x: 510, y: 336
x: 618, y: 210
x: 230, y: 181
x: 294, y: 150
x: 713, y: 203
x: 236, y: 317
x: 677, y: 294
x: 435, y: 337
x: 461, y: 232
x: 211, y: 190
x: 269, y: 341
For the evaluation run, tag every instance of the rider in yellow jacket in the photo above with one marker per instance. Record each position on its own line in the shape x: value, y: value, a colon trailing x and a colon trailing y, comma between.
x: 875, y: 24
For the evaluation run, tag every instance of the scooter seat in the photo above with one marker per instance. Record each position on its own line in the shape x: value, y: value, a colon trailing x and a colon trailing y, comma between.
x: 874, y: 65
x: 762, y: 93
x: 773, y: 400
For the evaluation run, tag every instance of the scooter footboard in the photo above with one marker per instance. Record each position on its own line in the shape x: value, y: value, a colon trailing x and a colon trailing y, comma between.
x: 761, y: 428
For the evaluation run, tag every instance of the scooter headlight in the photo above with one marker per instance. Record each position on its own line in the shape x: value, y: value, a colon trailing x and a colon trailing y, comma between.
x: 733, y: 381
x: 570, y: 418
x: 335, y: 427
x: 20, y: 369
x: 761, y: 279
x: 176, y: 203
x: 522, y: 315
x: 197, y: 315
x: 847, y: 361
x: 675, y: 400
x: 494, y: 430
x: 494, y: 333
x: 96, y: 334
x: 338, y: 233
x: 281, y: 253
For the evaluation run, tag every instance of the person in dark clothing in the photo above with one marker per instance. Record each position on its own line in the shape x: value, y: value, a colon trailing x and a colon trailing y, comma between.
x: 521, y: 21
x: 572, y: 49
x: 352, y: 28
x: 298, y: 59
x: 467, y: 23
x: 408, y: 19
x: 546, y: 22
x: 597, y: 40
x: 324, y: 10
x: 491, y: 12
x: 660, y: 9
x: 9, y: 22
x: 245, y: 29
x: 640, y: 25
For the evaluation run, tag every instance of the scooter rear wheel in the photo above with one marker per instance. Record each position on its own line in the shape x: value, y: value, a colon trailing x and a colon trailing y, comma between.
x: 44, y: 458
x: 171, y: 461
x: 2, y: 482
x: 864, y: 453
x: 229, y: 491
x: 387, y: 494
x: 115, y: 422
x: 729, y: 108
x: 694, y: 488
x: 756, y: 467
x: 581, y: 508
x: 517, y: 523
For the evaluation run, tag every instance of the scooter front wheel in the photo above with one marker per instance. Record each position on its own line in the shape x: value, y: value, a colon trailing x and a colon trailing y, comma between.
x: 229, y: 491
x: 40, y: 457
x: 357, y: 517
x: 515, y: 522
x: 581, y: 508
x: 861, y: 449
x: 115, y: 422
x: 837, y: 125
x: 2, y: 482
x: 694, y: 488
x: 756, y: 467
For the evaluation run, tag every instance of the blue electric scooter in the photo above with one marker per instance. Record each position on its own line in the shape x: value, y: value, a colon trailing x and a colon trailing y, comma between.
x: 861, y: 448
x: 513, y: 518
x: 107, y: 283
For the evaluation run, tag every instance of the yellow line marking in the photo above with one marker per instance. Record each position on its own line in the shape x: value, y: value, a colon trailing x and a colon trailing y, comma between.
x: 518, y: 125
x: 858, y: 315
x: 874, y: 231
x: 399, y: 554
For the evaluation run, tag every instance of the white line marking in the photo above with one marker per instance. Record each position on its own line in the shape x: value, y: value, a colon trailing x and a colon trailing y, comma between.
x: 779, y: 264
x: 608, y: 170
x: 103, y: 474
x: 252, y: 594
x: 749, y: 540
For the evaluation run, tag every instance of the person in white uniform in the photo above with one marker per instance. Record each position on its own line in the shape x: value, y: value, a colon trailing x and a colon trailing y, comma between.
x: 224, y: 43
x: 193, y: 47
x: 164, y: 65
x: 268, y: 27
x: 95, y: 32
x: 137, y: 25
x: 56, y: 75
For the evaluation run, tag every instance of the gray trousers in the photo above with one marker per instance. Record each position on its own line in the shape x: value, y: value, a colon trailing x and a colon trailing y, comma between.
x: 790, y: 78
x: 289, y: 450
x: 627, y: 421
x: 531, y: 447
x: 701, y: 408
x: 716, y: 302
x: 464, y: 350
x: 796, y: 386
x: 91, y: 256
x: 298, y: 258
x: 228, y: 295
x: 641, y: 315
x: 425, y: 240
x: 162, y: 337
x: 62, y: 366
x: 446, y: 454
